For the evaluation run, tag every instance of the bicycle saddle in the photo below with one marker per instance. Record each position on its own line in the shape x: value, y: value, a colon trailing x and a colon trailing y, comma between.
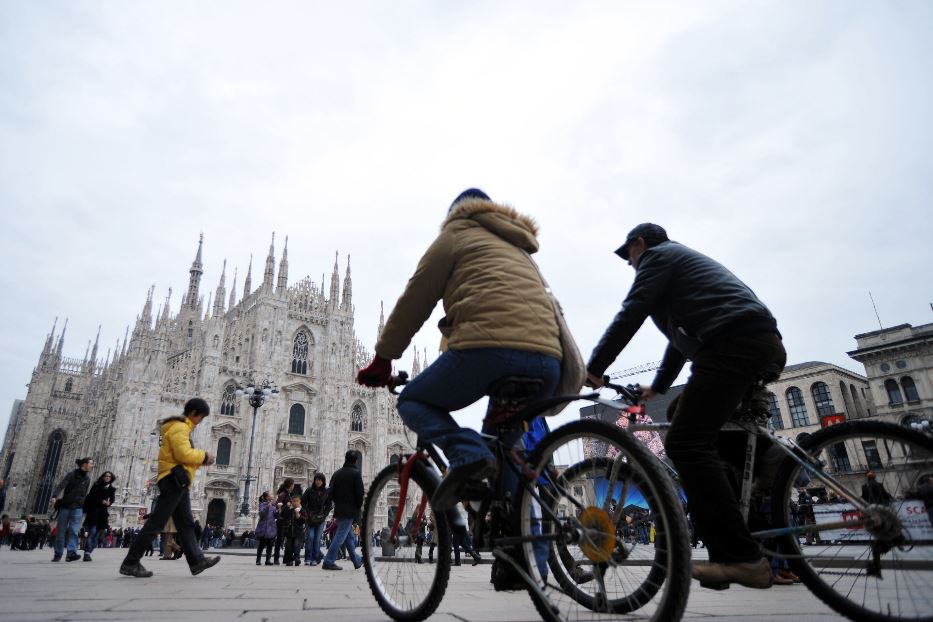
x: 509, y: 395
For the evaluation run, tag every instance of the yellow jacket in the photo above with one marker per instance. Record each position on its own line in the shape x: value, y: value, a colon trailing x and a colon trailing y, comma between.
x: 175, y: 447
x: 492, y: 292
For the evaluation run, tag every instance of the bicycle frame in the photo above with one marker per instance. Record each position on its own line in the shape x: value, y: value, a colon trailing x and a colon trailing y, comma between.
x: 792, y: 450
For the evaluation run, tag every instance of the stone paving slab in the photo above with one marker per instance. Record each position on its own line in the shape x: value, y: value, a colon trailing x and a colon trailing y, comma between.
x: 33, y: 589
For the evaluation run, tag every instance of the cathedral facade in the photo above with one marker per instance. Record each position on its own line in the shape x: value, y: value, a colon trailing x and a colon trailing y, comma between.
x: 299, y: 338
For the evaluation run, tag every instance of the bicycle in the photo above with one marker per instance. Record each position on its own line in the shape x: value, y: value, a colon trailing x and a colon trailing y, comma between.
x: 868, y: 556
x: 553, y: 517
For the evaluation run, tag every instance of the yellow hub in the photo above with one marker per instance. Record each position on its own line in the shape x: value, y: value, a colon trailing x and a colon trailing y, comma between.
x: 599, y: 538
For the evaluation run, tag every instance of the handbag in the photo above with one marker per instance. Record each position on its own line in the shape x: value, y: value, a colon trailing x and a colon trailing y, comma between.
x: 572, y: 367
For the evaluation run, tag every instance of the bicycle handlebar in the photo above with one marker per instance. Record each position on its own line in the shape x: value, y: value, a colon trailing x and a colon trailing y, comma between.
x: 630, y: 393
x: 397, y: 380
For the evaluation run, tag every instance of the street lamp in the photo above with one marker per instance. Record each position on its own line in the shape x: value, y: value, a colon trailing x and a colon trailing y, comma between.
x: 921, y: 426
x: 257, y: 396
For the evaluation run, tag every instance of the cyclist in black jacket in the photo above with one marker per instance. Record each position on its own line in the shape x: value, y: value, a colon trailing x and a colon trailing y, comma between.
x: 713, y: 319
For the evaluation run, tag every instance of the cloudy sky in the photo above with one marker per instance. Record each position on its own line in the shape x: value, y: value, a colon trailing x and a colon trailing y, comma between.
x: 790, y: 140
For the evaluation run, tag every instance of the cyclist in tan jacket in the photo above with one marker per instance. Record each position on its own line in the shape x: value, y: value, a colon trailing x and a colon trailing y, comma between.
x: 499, y: 322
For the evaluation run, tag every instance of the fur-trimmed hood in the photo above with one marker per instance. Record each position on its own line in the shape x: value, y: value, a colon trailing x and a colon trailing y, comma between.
x: 503, y: 220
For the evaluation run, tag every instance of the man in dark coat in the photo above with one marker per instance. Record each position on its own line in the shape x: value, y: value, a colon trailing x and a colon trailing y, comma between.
x: 873, y: 491
x: 716, y: 321
x: 346, y: 492
x: 72, y: 490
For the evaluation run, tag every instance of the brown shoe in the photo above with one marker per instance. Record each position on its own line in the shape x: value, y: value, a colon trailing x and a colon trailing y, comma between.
x: 719, y: 576
x: 779, y: 580
x: 787, y: 574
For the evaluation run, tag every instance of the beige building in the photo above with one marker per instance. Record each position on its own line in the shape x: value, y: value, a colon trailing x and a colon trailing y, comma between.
x: 899, y: 364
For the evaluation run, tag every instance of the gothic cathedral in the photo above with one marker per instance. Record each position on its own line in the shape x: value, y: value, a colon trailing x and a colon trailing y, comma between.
x: 300, y: 338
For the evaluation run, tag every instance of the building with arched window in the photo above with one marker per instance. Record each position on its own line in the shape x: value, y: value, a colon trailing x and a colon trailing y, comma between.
x: 899, y: 364
x: 299, y: 336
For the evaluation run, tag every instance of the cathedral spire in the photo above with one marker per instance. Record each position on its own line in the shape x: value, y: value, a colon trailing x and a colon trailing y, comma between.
x: 207, y: 308
x: 146, y: 316
x: 61, y: 340
x: 221, y: 292
x: 233, y: 291
x: 382, y: 319
x: 194, y: 282
x: 416, y: 364
x: 269, y: 275
x: 335, y: 282
x: 168, y: 304
x: 347, y: 301
x: 283, y: 269
x: 48, y: 339
x: 96, y: 341
x: 248, y: 284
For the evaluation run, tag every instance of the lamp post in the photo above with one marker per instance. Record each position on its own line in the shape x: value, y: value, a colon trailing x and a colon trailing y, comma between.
x: 921, y: 426
x: 257, y: 397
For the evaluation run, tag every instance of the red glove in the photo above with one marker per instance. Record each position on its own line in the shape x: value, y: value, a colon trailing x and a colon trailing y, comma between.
x: 377, y: 374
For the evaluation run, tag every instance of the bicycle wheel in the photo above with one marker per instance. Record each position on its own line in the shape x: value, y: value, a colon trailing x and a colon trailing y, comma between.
x: 881, y: 571
x: 407, y: 590
x: 585, y: 522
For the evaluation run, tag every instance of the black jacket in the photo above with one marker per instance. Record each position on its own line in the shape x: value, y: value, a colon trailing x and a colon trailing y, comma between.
x: 317, y: 503
x: 346, y: 492
x: 75, y: 486
x: 692, y: 299
x: 95, y: 512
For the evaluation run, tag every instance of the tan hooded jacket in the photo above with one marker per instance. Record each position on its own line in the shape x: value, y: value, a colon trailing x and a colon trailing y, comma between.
x: 492, y: 292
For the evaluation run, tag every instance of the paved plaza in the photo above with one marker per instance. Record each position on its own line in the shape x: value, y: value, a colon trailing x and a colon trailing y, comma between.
x: 32, y: 588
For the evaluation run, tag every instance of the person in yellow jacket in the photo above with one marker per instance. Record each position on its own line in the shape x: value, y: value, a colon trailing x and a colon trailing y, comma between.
x: 499, y: 322
x: 178, y: 461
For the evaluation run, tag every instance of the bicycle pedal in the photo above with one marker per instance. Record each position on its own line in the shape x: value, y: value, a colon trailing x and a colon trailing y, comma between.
x: 714, y: 586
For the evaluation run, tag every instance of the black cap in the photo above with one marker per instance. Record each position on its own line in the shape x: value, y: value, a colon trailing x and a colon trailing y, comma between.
x: 198, y: 405
x: 650, y: 232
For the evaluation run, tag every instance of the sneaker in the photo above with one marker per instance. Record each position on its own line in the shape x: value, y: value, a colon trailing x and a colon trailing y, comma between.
x: 57, y: 558
x: 716, y: 576
x: 134, y: 570
x: 357, y: 566
x: 71, y: 557
x: 327, y: 566
x: 203, y: 564
x: 87, y: 557
x: 447, y: 494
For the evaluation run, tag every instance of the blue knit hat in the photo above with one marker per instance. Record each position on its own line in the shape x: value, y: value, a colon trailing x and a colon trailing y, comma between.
x: 470, y: 193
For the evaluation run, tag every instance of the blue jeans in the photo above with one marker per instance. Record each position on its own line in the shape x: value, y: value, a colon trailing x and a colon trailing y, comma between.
x: 457, y: 379
x: 313, y: 543
x: 343, y: 534
x: 69, y: 521
x: 90, y: 542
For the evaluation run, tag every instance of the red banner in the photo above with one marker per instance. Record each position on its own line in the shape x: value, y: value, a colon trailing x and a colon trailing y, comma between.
x: 828, y: 420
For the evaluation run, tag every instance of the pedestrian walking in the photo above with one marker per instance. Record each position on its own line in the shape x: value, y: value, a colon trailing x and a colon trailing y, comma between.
x: 178, y: 461
x: 346, y: 492
x: 316, y: 500
x: 96, y: 518
x: 73, y: 489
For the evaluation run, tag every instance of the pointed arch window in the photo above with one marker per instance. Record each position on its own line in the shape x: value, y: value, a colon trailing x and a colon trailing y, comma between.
x: 357, y: 418
x: 797, y: 407
x: 300, y: 350
x: 894, y: 391
x: 775, y: 410
x: 296, y: 419
x: 910, y: 389
x: 223, y: 451
x: 228, y: 401
x: 53, y: 454
x: 822, y: 399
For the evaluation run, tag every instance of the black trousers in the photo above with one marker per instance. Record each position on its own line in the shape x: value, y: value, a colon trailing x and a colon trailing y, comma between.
x: 265, y: 543
x: 720, y: 376
x: 173, y: 502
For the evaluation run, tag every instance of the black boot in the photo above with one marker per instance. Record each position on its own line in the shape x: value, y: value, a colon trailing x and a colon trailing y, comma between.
x: 134, y: 570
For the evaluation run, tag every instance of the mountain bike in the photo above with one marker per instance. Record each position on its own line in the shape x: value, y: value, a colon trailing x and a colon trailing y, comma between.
x: 554, y: 516
x: 869, y: 559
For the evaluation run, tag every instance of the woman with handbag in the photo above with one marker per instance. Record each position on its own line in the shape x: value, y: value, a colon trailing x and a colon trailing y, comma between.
x: 500, y: 321
x: 316, y: 500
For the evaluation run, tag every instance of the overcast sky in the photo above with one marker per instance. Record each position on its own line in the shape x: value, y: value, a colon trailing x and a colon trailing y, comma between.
x: 792, y: 141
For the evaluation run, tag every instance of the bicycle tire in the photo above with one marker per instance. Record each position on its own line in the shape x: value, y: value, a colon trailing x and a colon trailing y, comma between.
x: 406, y: 590
x: 624, y: 586
x: 851, y: 590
